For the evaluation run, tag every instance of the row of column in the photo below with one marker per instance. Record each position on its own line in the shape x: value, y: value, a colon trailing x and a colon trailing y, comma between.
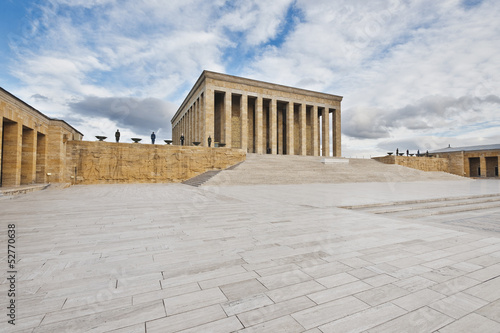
x: 23, y: 156
x: 212, y: 116
x: 190, y: 125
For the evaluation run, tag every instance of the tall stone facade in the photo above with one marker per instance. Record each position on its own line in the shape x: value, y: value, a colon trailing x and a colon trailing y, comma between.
x: 258, y: 117
x: 32, y: 145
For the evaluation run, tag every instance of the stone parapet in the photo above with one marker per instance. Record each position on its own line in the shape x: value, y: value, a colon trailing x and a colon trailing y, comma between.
x: 419, y: 163
x: 110, y: 163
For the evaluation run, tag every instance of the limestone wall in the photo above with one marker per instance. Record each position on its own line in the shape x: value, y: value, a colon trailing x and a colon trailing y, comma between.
x: 419, y: 163
x: 108, y: 162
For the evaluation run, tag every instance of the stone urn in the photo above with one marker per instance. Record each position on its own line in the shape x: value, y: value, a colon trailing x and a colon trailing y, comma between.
x: 100, y: 137
x: 196, y: 143
x: 168, y: 142
x: 136, y: 140
x: 222, y: 145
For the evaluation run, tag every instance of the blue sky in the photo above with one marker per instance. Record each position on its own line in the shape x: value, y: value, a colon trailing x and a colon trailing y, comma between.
x: 415, y: 74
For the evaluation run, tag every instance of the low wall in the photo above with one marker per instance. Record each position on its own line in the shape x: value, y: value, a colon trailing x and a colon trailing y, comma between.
x: 109, y: 162
x: 419, y: 163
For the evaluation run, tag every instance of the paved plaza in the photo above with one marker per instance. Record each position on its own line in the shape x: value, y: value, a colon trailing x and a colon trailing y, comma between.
x: 419, y: 256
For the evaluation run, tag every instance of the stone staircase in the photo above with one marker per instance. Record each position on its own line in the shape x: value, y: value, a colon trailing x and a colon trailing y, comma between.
x: 200, y: 179
x: 285, y: 169
x: 479, y: 212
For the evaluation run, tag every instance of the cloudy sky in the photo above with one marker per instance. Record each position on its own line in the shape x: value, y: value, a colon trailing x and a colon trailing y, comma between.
x: 415, y: 74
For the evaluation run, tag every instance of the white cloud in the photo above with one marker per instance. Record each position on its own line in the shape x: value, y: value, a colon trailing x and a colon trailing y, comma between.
x: 407, y: 69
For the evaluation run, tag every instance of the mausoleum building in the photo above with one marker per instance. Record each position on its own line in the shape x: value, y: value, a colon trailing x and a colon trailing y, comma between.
x: 258, y: 117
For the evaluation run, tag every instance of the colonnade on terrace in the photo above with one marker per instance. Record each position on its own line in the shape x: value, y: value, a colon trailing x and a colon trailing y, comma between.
x: 258, y: 117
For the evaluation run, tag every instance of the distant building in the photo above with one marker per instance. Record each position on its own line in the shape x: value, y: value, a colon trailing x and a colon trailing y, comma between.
x: 258, y: 117
x: 32, y: 145
x: 472, y: 161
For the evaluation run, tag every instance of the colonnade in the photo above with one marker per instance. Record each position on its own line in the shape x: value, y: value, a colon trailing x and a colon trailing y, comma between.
x: 259, y: 123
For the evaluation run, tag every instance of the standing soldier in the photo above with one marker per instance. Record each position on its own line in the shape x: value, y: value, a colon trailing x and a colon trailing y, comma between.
x: 117, y: 135
x: 182, y: 139
x: 153, y: 137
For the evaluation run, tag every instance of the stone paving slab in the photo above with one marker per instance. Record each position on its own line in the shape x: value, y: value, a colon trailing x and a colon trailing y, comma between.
x: 261, y: 258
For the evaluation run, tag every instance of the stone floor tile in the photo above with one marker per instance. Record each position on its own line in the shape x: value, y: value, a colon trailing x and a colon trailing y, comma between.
x: 433, y: 256
x: 362, y: 273
x: 336, y: 280
x: 330, y: 268
x: 186, y: 320
x: 108, y: 320
x: 137, y: 328
x: 274, y: 311
x: 418, y: 299
x: 284, y: 324
x: 472, y: 323
x: 414, y: 283
x: 324, y: 313
x: 443, y: 274
x: 364, y: 320
x: 223, y: 280
x: 80, y: 311
x: 216, y: 273
x: 454, y: 285
x: 466, y: 267
x: 165, y: 293
x: 284, y: 279
x: 277, y: 269
x: 294, y: 290
x: 192, y: 301
x: 484, y: 260
x: 489, y: 290
x: 439, y: 263
x: 380, y: 280
x: 410, y: 271
x: 406, y: 262
x: 246, y: 304
x: 458, y: 305
x: 379, y: 295
x: 486, y: 273
x: 237, y: 290
x: 355, y: 262
x: 418, y: 321
x: 491, y: 311
x: 339, y: 292
x: 226, y: 325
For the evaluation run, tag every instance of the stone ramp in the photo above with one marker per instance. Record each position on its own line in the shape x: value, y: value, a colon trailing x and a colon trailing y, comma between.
x: 285, y: 169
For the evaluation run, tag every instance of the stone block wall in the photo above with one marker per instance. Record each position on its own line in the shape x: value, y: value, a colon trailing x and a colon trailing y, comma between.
x: 109, y: 163
x: 419, y: 163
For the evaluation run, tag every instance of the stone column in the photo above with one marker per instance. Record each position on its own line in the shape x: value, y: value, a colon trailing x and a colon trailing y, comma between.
x: 228, y: 112
x: 315, y: 130
x: 337, y: 146
x: 482, y: 165
x: 28, y: 159
x: 289, y: 128
x: 209, y: 115
x: 273, y: 126
x: 280, y: 131
x: 197, y: 120
x: 258, y: 126
x: 303, y: 130
x: 244, y: 121
x: 41, y: 158
x: 1, y: 156
x: 326, y: 132
x: 12, y: 152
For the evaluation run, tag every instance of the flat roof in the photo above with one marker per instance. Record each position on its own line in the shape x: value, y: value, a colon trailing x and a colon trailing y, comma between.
x: 40, y: 113
x: 468, y: 148
x: 250, y: 82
